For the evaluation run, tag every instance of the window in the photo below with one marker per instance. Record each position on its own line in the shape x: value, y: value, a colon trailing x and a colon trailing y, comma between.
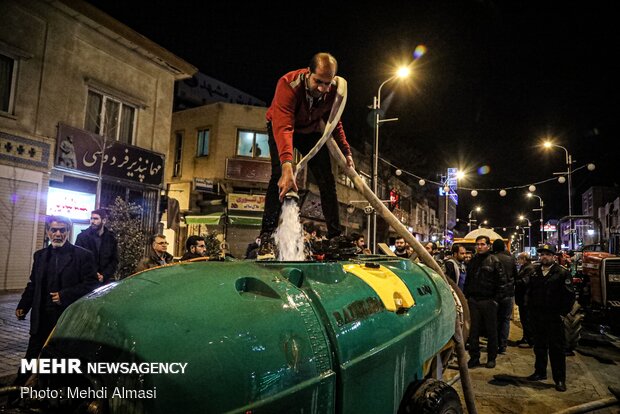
x: 178, y: 154
x: 252, y: 144
x: 108, y: 116
x: 203, y: 143
x: 7, y: 83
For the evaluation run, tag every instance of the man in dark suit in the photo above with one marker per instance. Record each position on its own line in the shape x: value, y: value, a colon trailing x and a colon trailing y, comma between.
x: 549, y: 297
x: 102, y: 243
x: 61, y: 274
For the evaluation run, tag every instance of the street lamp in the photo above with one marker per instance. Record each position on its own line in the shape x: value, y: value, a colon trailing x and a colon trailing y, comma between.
x: 542, y: 222
x: 402, y: 72
x: 529, y: 232
x: 477, y: 209
x: 569, y: 162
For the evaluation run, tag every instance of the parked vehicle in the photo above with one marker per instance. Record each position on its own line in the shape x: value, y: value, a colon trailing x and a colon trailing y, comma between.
x: 596, y: 278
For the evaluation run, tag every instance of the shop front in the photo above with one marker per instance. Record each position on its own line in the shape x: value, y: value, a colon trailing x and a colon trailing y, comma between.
x: 91, y: 172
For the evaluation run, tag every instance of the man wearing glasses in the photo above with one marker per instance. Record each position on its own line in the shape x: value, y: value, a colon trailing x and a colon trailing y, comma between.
x: 296, y: 118
x: 195, y: 247
x: 61, y: 274
x: 158, y: 254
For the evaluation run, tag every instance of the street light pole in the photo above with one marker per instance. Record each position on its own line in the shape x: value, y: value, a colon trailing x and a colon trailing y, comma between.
x: 529, y: 232
x: 569, y: 169
x: 376, y: 106
x: 478, y: 209
x: 542, y: 222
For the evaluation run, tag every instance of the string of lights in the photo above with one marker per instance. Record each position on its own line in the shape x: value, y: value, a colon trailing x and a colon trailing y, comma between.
x: 531, y: 186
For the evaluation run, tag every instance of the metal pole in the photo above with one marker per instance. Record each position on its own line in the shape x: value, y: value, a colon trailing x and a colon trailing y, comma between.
x: 542, y: 223
x: 445, y: 233
x: 469, y: 221
x: 375, y: 168
x: 98, y: 193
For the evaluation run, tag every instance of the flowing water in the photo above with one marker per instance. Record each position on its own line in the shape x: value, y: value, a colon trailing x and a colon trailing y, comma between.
x: 289, y: 236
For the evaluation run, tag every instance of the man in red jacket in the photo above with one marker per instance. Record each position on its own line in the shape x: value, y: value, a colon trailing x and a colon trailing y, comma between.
x: 296, y: 118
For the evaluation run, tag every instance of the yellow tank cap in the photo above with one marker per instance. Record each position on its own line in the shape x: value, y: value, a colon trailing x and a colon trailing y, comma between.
x: 391, y: 289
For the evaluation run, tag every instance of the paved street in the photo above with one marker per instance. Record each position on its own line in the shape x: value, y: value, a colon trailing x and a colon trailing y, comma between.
x: 499, y: 390
x: 13, y: 335
x: 505, y: 390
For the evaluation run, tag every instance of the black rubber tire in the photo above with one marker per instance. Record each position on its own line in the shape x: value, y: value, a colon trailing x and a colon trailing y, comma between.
x: 433, y: 397
x: 572, y: 327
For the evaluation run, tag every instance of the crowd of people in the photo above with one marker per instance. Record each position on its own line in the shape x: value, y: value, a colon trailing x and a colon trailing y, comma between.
x: 493, y: 282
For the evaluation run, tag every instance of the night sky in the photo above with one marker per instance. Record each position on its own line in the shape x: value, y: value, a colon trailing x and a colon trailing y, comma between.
x: 496, y: 78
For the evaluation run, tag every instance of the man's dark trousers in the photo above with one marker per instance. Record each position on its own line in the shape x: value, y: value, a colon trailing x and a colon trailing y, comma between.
x: 320, y: 166
x: 549, y: 339
x: 483, y: 311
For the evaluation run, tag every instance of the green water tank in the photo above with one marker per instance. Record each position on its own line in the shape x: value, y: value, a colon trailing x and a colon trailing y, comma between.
x: 261, y: 337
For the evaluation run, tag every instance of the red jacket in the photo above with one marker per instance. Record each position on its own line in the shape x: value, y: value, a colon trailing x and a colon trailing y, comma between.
x: 290, y: 112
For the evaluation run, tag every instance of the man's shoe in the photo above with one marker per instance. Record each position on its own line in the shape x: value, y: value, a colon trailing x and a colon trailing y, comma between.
x: 501, y: 350
x: 266, y: 250
x: 472, y: 363
x: 537, y: 377
x: 490, y: 364
x: 525, y: 345
x: 560, y: 386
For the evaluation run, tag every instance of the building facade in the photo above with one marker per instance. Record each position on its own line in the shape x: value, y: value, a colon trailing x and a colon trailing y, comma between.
x: 85, y: 100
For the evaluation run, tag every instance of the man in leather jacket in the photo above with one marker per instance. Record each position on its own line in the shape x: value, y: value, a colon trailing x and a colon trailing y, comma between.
x: 506, y: 301
x: 483, y: 289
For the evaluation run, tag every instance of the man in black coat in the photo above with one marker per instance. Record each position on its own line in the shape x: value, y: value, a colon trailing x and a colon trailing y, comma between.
x: 522, y: 281
x: 102, y: 243
x: 61, y: 274
x: 484, y: 285
x: 506, y: 300
x: 549, y: 296
x: 195, y: 247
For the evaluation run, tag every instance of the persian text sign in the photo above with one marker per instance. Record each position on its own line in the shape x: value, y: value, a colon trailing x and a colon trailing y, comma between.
x: 83, y: 150
x: 246, y: 202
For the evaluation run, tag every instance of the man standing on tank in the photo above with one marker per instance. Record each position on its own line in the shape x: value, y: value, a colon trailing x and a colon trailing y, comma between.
x: 296, y: 119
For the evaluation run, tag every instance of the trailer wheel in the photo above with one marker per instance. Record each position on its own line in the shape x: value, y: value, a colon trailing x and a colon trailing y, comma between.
x: 433, y: 397
x: 572, y: 327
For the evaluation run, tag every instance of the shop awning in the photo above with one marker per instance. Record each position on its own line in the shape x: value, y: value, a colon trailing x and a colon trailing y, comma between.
x: 245, y: 220
x: 212, y: 219
x: 215, y: 219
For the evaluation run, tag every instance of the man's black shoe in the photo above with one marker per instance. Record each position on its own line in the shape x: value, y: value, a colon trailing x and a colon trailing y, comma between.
x: 490, y: 364
x: 560, y: 386
x: 501, y: 350
x: 537, y: 377
x: 473, y: 363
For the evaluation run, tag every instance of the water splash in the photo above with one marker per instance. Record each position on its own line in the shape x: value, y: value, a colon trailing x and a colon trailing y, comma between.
x: 289, y: 236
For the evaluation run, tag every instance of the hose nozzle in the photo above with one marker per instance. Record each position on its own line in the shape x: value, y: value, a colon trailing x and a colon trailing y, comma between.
x: 292, y: 195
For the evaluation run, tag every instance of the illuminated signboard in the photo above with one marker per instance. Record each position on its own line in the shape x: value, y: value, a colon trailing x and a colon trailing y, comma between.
x: 451, y: 182
x: 550, y: 227
x: 73, y: 204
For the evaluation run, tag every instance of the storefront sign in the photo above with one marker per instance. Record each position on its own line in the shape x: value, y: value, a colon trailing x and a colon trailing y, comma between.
x: 202, y: 184
x: 248, y: 170
x: 246, y: 202
x: 73, y: 204
x: 83, y: 150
